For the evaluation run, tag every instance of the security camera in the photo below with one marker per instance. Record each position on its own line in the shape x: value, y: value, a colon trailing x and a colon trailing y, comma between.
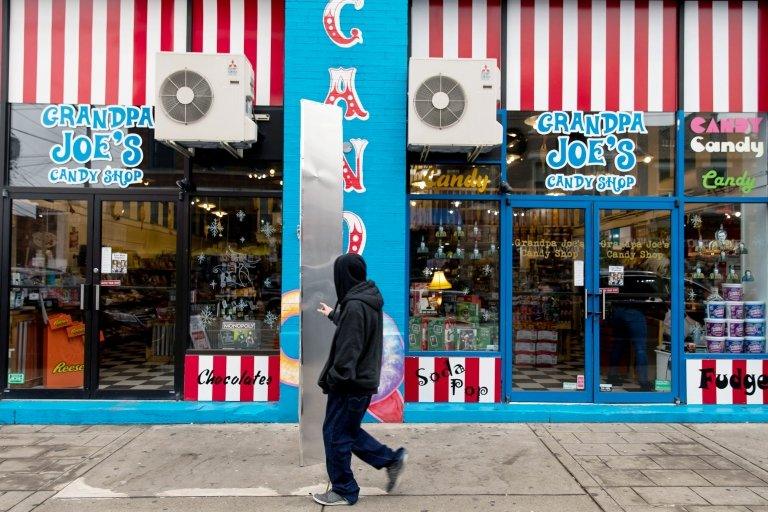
x: 184, y: 185
x: 506, y: 188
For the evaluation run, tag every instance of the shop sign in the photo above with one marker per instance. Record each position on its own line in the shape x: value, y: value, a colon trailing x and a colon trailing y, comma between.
x: 232, y: 378
x: 603, y: 135
x: 90, y: 158
x: 740, y: 125
x: 708, y: 134
x: 438, y: 179
x: 452, y: 379
x: 15, y: 378
x: 727, y: 381
x: 713, y: 180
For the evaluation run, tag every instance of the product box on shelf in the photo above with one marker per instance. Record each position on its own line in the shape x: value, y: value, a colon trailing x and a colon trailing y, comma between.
x: 525, y: 359
x: 468, y: 312
x: 436, y: 333
x: 524, y: 334
x: 546, y: 335
x: 487, y: 338
x: 546, y: 347
x: 415, y: 334
x: 546, y: 359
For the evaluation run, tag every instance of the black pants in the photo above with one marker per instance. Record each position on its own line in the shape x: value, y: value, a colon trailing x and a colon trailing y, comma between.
x: 343, y: 436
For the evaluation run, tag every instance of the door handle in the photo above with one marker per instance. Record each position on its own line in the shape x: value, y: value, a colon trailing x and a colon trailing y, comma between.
x: 586, y: 303
x: 97, y: 295
x: 82, y: 296
x: 603, y: 293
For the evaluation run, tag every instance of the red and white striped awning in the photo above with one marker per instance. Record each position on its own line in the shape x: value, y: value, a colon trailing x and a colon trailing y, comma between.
x: 456, y: 29
x: 726, y: 56
x: 591, y: 55
x: 102, y: 51
x: 90, y: 51
x: 255, y: 28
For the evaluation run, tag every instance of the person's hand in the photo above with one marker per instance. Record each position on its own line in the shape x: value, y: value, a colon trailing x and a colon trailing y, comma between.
x: 325, y: 309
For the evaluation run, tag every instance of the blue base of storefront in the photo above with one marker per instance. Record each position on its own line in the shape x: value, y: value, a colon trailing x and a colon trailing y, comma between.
x: 585, y: 413
x: 91, y: 412
x: 140, y: 412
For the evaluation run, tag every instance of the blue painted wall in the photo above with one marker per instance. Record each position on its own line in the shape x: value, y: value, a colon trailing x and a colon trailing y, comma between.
x: 381, y: 84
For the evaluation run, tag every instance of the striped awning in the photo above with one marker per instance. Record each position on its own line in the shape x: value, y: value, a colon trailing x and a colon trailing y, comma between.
x: 726, y: 56
x: 591, y: 55
x: 456, y: 29
x: 255, y: 28
x: 102, y: 51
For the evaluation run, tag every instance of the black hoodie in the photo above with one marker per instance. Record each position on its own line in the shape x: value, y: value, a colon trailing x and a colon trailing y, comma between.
x: 354, y: 362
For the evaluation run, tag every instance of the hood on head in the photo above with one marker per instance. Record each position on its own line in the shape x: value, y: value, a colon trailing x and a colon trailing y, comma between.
x: 348, y: 270
x: 366, y: 292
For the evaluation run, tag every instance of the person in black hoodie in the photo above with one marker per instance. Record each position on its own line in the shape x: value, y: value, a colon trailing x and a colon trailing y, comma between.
x: 350, y: 377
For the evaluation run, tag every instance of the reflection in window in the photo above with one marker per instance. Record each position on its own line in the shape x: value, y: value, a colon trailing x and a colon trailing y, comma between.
x: 47, y: 327
x: 725, y: 154
x: 635, y: 336
x: 235, y: 278
x: 31, y: 143
x: 454, y: 284
x: 726, y: 282
x: 527, y: 151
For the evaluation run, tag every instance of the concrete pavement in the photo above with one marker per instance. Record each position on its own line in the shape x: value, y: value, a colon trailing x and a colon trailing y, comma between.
x: 517, y: 467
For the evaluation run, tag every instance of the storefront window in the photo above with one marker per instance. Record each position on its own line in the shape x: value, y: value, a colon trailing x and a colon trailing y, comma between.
x: 235, y: 279
x: 725, y: 154
x: 726, y: 278
x: 48, y: 266
x: 454, y: 284
x: 100, y: 147
x: 609, y: 153
x: 217, y: 169
x: 454, y: 179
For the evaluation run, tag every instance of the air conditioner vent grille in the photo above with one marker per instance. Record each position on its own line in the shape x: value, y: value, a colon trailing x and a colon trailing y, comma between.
x: 440, y: 101
x: 186, y: 96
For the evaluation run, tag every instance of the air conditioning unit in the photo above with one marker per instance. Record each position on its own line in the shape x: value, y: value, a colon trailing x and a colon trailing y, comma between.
x: 204, y: 100
x: 452, y: 105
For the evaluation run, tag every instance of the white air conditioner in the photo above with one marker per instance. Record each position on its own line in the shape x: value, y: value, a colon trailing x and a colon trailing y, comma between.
x: 204, y: 100
x: 452, y: 105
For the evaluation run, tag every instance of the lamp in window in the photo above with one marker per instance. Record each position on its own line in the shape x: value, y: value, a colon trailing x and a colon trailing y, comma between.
x: 439, y: 281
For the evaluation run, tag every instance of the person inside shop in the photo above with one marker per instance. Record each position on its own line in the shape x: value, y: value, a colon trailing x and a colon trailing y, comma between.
x: 350, y: 378
x: 629, y: 325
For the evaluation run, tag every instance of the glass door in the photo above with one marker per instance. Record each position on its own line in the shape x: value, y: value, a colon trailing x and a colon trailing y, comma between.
x: 48, y: 287
x: 135, y: 296
x: 634, y: 304
x: 550, y: 325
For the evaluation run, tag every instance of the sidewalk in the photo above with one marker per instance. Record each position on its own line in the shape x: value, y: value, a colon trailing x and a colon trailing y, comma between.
x: 518, y: 467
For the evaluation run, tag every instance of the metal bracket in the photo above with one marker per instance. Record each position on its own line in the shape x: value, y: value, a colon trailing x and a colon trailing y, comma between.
x: 472, y: 155
x: 424, y: 154
x: 186, y: 152
x: 235, y: 152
